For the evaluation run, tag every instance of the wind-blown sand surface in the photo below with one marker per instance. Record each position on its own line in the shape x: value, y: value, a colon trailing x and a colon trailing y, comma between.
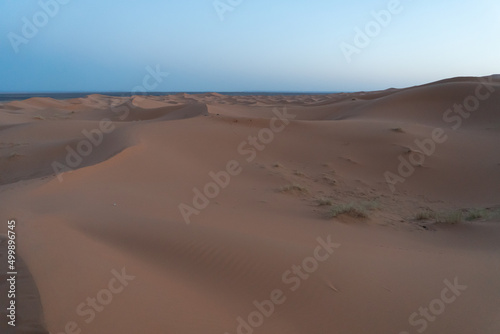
x: 117, y: 212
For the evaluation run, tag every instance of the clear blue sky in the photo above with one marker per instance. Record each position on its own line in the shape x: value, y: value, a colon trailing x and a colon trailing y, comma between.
x: 261, y: 45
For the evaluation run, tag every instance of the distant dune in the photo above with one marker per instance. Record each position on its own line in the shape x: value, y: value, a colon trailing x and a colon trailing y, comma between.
x: 208, y: 201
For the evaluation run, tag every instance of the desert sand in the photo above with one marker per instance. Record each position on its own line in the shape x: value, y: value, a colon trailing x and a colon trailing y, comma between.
x: 117, y: 232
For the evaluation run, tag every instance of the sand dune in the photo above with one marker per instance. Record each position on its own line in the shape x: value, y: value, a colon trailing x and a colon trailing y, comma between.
x: 96, y: 186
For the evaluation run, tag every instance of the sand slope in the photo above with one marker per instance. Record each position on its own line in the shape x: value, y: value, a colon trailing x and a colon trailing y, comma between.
x: 116, y: 210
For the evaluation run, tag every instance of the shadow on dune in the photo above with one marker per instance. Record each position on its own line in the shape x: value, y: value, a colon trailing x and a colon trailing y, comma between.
x: 29, y: 312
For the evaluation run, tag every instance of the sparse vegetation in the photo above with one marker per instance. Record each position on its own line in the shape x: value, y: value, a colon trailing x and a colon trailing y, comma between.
x: 425, y: 215
x: 349, y: 209
x: 452, y: 217
x: 355, y: 210
x: 495, y: 214
x: 486, y: 214
x: 330, y: 180
x: 476, y: 214
x: 323, y: 201
x: 298, y: 173
x: 293, y: 188
x: 458, y: 216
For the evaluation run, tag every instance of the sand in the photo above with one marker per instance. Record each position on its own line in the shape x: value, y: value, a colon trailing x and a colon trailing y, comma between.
x: 110, y: 240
